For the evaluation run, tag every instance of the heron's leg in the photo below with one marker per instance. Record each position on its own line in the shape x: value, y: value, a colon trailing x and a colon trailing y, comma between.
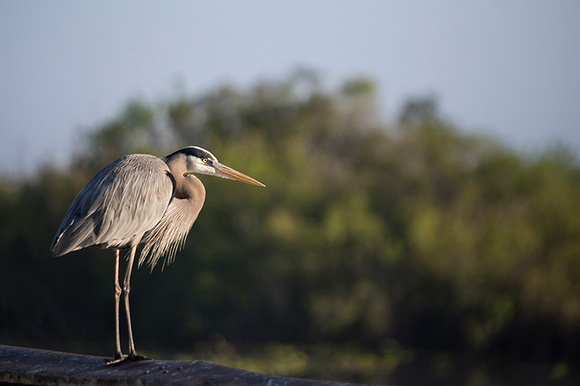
x: 118, y: 353
x: 126, y: 290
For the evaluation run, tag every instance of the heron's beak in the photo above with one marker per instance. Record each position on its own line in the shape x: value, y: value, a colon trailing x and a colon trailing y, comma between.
x: 229, y: 173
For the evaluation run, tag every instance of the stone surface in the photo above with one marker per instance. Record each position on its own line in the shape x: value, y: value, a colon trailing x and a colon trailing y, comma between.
x: 41, y: 367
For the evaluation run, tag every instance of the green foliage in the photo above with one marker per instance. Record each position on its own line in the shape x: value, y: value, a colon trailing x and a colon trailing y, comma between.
x: 365, y: 233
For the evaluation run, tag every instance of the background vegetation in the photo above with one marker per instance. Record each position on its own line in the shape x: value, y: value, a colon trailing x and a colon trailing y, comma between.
x: 373, y: 246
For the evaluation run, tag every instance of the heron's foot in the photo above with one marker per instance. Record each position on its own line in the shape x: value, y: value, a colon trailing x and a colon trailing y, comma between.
x: 118, y: 360
x: 135, y: 358
x: 127, y: 358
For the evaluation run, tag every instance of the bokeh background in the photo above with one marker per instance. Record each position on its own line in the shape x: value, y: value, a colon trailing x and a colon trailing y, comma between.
x: 420, y: 223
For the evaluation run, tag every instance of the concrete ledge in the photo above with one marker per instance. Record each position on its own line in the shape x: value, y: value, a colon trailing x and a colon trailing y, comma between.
x: 41, y: 367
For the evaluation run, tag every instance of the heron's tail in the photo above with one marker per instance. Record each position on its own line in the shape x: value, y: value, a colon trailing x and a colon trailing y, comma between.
x: 72, y: 236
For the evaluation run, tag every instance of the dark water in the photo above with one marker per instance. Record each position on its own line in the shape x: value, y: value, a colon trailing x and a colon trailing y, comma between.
x: 461, y: 371
x: 393, y: 366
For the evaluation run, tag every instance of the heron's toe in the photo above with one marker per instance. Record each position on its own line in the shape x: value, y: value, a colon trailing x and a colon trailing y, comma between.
x: 117, y: 361
x: 135, y: 357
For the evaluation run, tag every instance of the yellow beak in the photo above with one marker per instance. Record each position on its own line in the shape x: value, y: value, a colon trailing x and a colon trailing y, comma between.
x: 229, y: 173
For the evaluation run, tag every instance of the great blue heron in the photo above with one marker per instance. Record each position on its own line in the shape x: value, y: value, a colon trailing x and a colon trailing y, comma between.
x: 140, y: 198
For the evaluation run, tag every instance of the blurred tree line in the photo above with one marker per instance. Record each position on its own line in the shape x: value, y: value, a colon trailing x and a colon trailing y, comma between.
x: 416, y: 233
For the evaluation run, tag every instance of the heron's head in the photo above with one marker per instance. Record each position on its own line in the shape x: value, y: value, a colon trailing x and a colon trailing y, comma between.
x: 198, y: 160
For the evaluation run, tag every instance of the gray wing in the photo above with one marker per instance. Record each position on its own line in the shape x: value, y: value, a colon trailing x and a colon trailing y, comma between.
x: 118, y: 206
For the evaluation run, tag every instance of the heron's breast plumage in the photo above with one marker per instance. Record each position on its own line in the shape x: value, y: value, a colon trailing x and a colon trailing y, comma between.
x: 170, y: 233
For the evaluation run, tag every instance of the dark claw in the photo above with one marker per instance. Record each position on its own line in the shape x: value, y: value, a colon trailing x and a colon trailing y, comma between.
x: 136, y: 358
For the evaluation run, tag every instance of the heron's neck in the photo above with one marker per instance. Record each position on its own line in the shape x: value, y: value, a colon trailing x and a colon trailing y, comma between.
x: 190, y: 187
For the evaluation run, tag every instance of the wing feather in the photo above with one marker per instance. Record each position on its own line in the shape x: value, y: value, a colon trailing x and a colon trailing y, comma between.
x: 118, y: 206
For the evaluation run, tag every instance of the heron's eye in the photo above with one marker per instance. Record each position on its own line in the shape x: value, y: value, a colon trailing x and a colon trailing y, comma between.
x: 204, y: 160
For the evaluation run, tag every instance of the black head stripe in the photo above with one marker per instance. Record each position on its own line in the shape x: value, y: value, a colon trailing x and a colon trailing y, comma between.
x: 193, y: 151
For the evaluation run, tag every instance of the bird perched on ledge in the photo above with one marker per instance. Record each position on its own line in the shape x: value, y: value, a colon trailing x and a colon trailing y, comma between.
x: 140, y: 198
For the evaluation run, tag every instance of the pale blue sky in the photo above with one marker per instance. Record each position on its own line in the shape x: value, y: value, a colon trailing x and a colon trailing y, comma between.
x: 510, y: 68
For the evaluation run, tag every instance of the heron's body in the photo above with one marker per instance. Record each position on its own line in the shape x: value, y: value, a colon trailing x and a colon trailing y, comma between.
x: 129, y: 199
x: 137, y: 199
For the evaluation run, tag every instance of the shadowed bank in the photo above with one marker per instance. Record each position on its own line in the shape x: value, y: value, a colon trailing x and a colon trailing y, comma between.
x: 40, y: 367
